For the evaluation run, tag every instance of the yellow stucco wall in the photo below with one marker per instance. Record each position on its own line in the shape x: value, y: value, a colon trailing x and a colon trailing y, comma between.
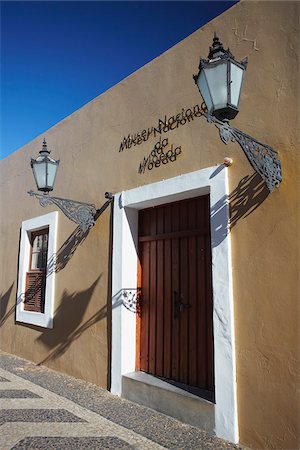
x: 265, y: 228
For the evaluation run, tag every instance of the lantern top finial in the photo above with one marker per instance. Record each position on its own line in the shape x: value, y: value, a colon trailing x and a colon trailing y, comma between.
x: 44, y: 150
x: 217, y: 49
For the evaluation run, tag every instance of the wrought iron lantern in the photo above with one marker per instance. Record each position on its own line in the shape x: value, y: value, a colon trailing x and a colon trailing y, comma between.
x: 219, y: 81
x: 44, y: 169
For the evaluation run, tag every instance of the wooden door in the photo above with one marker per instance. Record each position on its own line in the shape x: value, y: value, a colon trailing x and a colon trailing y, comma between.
x: 175, y: 324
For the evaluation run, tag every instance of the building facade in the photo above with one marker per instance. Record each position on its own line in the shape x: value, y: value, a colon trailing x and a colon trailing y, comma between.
x: 186, y: 290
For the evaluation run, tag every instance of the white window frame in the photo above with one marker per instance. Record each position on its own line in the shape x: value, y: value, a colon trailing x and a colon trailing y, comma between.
x: 44, y: 319
x: 212, y: 181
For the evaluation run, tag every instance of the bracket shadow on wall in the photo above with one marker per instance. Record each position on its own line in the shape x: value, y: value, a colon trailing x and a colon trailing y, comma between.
x: 219, y: 81
x: 44, y: 170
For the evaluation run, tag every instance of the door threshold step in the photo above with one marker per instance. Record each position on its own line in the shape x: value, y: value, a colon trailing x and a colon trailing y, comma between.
x: 147, y: 390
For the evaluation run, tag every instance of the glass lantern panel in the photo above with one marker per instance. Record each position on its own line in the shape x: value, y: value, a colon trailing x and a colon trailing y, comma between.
x: 39, y: 171
x: 203, y: 88
x: 216, y: 76
x: 236, y: 78
x: 52, y: 168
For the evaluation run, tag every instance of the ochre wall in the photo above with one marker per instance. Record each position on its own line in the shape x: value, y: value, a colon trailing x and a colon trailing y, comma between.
x: 265, y: 228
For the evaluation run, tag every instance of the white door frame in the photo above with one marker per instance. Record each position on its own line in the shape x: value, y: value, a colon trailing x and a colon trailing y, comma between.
x: 212, y: 181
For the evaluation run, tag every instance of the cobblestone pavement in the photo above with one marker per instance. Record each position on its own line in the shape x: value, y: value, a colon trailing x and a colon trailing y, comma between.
x: 43, y: 409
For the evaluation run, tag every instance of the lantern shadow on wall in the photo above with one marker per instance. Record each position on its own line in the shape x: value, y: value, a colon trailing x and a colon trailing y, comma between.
x: 246, y: 197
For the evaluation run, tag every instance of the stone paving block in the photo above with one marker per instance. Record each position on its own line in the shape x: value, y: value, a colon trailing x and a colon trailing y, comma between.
x: 38, y: 415
x: 17, y: 393
x: 74, y: 443
x: 14, y: 432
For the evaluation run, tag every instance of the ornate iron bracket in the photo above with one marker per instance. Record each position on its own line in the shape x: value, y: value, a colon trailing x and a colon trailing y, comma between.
x: 262, y: 157
x: 83, y: 214
x: 131, y: 299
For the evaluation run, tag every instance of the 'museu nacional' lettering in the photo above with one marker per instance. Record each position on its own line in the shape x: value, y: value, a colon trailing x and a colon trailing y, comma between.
x: 163, y: 126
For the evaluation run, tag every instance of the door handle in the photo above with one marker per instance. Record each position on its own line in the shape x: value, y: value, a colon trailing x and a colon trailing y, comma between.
x: 183, y: 306
x: 178, y: 305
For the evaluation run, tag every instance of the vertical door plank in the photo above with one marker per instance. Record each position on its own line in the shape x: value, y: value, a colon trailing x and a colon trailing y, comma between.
x: 144, y: 222
x: 201, y: 288
x: 193, y: 311
x: 153, y: 290
x: 184, y: 311
x: 175, y: 294
x: 201, y: 348
x: 184, y: 297
x: 175, y: 311
x: 167, y: 309
x: 160, y: 295
x: 167, y: 296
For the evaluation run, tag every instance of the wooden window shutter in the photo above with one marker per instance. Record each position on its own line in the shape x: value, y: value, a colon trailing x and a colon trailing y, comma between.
x: 35, y: 291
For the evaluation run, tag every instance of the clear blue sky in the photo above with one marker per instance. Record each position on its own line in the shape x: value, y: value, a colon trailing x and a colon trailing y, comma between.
x: 56, y: 56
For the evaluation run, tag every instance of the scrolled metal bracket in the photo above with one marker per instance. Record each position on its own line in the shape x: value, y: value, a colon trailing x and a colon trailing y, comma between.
x: 131, y: 299
x: 262, y: 157
x: 83, y: 214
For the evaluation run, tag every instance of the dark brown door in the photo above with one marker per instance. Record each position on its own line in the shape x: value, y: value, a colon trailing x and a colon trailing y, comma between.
x: 175, y: 326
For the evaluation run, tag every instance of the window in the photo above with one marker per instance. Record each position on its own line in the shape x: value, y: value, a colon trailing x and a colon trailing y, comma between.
x: 36, y: 276
x: 35, y: 298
